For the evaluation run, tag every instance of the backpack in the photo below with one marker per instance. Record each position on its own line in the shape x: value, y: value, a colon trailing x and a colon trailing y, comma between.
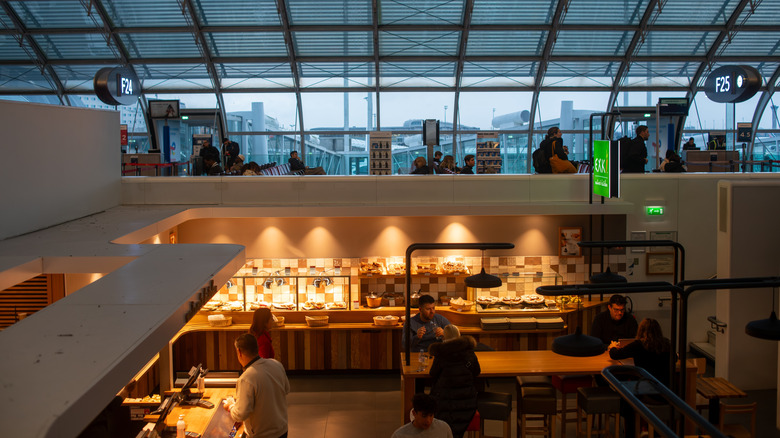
x: 540, y: 161
x: 624, y: 145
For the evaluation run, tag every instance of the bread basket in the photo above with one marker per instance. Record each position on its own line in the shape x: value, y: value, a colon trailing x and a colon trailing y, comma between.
x: 279, y: 321
x: 462, y: 306
x: 317, y: 321
x: 386, y: 320
x: 226, y: 322
x: 374, y: 301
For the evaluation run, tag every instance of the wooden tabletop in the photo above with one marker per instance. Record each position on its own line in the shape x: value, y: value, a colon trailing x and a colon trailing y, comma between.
x: 196, y: 417
x: 516, y: 363
x: 717, y: 387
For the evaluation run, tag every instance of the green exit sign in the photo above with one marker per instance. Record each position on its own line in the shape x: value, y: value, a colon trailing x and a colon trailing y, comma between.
x: 654, y: 211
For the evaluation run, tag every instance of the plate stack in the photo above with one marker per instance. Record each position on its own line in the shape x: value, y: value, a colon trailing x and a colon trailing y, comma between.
x: 549, y: 323
x: 522, y: 323
x: 494, y: 323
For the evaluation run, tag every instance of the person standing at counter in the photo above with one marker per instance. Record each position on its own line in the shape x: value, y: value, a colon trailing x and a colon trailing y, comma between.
x: 614, y: 323
x: 262, y: 320
x: 427, y: 326
x: 423, y: 424
x: 261, y: 393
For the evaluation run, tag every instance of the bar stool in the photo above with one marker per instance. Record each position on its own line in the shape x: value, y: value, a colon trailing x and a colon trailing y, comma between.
x: 568, y: 384
x: 598, y: 401
x: 494, y: 406
x: 536, y: 403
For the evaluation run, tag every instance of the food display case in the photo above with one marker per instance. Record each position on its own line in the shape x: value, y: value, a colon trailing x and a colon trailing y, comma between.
x: 518, y: 293
x: 251, y: 289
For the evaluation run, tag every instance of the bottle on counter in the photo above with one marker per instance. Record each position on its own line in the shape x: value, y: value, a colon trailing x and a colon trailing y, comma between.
x: 181, y: 427
x: 201, y: 384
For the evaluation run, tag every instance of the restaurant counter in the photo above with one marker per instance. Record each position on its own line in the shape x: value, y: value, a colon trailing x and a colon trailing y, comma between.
x: 351, y: 341
x: 197, y: 418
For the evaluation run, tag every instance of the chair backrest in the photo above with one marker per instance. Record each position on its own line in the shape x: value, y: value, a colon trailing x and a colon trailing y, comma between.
x: 701, y: 365
x: 738, y: 430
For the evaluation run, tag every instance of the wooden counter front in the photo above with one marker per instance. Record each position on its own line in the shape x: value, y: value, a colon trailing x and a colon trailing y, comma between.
x: 351, y: 341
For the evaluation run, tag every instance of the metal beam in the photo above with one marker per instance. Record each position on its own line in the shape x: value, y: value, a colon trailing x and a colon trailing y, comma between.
x: 38, y: 57
x: 281, y: 9
x: 377, y: 76
x: 192, y: 19
x: 717, y: 47
x: 560, y: 12
x: 766, y: 96
x: 649, y: 16
x: 468, y: 10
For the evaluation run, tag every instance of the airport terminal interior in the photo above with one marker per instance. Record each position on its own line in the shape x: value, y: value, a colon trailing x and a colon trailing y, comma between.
x: 121, y: 259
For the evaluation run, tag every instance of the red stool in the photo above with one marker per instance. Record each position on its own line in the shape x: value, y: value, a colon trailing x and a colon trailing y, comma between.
x: 474, y: 426
x: 569, y: 385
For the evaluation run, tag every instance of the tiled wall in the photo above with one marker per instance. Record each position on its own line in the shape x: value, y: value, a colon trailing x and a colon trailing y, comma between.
x: 518, y: 273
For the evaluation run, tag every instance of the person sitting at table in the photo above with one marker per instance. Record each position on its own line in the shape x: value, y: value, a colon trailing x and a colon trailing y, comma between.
x: 614, y: 323
x: 454, y: 372
x: 427, y: 326
x: 423, y: 424
x: 420, y: 167
x: 650, y: 351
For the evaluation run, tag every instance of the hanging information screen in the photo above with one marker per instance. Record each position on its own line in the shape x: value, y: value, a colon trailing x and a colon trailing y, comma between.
x: 606, y: 168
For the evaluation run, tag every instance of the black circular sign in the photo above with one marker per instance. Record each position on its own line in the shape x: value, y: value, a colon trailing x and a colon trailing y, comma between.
x: 732, y: 83
x: 117, y: 86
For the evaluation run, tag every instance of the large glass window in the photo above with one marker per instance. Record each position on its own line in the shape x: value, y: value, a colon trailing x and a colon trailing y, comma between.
x: 400, y: 110
x: 263, y: 111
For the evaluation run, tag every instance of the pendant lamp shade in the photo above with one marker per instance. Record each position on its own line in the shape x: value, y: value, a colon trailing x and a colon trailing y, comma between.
x: 607, y: 277
x: 578, y: 345
x: 483, y: 280
x: 765, y: 328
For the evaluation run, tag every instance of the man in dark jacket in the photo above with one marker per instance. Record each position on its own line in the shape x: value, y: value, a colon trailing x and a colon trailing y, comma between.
x: 296, y: 164
x: 454, y: 373
x: 230, y: 151
x: 208, y: 151
x: 468, y: 169
x: 614, y: 323
x: 637, y: 151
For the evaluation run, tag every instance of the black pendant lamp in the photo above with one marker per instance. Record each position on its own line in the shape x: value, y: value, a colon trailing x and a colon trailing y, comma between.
x: 768, y: 329
x: 607, y: 276
x: 578, y: 345
x: 483, y: 280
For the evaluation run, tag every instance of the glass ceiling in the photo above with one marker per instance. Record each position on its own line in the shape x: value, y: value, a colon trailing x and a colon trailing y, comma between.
x: 300, y: 46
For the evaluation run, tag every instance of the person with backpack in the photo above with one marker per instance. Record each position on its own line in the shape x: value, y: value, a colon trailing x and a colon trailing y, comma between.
x: 636, y: 156
x: 555, y: 158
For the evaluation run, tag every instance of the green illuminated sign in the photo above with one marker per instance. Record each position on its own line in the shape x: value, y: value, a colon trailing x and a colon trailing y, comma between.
x: 185, y: 117
x: 654, y: 211
x: 601, y: 179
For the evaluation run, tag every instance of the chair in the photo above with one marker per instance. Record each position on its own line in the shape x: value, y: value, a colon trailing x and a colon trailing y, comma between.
x: 738, y: 430
x: 701, y: 368
x: 494, y: 406
x: 598, y: 401
x: 536, y: 403
x: 569, y: 385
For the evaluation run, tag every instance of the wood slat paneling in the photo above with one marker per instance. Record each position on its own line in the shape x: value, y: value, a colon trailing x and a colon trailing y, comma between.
x: 29, y: 297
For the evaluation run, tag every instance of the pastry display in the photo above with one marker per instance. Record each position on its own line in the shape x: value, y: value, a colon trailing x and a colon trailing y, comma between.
x: 427, y: 268
x: 285, y: 306
x: 313, y: 305
x: 259, y: 304
x: 533, y: 299
x: 372, y: 268
x: 213, y: 305
x: 338, y: 305
x: 512, y: 301
x: 487, y: 300
x: 454, y: 268
x: 396, y: 269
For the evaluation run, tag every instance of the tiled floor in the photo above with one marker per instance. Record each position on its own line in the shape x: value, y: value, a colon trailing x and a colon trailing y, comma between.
x: 367, y: 405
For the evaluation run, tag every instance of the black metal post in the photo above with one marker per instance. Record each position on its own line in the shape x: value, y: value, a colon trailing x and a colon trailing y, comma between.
x: 414, y: 247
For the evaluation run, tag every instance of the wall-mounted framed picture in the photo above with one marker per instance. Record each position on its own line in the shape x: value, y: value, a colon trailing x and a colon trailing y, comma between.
x: 568, y: 238
x: 660, y: 263
x: 662, y: 235
x: 638, y: 235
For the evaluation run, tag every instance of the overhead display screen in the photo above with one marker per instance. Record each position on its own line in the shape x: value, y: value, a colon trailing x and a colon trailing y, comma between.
x: 732, y: 83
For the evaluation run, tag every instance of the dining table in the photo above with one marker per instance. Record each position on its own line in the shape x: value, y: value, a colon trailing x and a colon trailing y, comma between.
x: 714, y: 389
x: 525, y: 363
